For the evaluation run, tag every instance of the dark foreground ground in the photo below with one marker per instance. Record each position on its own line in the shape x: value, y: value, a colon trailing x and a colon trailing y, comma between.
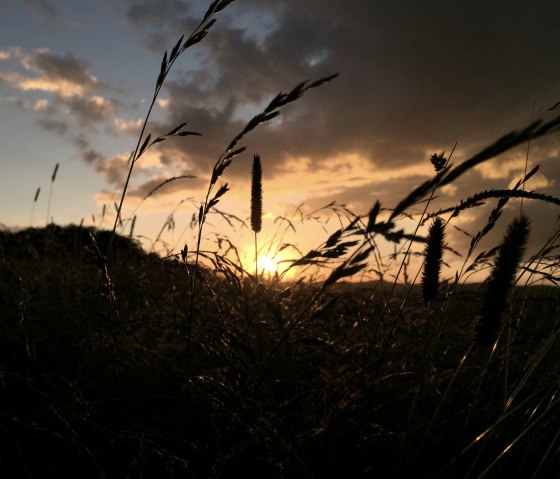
x: 125, y: 379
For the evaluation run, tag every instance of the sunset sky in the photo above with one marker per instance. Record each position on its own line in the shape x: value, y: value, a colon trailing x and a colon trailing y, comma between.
x: 415, y: 77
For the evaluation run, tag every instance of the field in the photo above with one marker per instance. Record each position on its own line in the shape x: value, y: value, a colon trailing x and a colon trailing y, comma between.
x: 362, y: 386
x: 118, y: 362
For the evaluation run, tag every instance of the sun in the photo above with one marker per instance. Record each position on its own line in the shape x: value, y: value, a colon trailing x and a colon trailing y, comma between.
x: 267, y: 264
x: 271, y: 266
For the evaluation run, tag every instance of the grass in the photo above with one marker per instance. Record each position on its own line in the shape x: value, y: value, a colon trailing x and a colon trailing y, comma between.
x: 115, y: 362
x: 91, y: 392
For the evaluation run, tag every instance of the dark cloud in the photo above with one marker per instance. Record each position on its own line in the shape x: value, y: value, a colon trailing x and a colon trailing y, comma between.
x: 65, y: 68
x: 88, y: 110
x: 412, y: 77
x: 158, y: 21
x: 112, y: 169
x: 44, y: 7
x: 415, y: 78
x: 89, y: 154
x: 59, y: 115
x: 56, y: 126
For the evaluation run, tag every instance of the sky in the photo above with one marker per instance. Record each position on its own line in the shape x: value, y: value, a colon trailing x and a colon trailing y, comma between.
x: 415, y: 78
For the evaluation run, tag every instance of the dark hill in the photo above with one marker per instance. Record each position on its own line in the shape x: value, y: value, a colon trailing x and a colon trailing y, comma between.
x: 56, y: 241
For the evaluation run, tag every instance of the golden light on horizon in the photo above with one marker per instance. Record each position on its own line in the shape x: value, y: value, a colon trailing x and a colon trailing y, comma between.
x: 267, y: 264
x: 271, y: 265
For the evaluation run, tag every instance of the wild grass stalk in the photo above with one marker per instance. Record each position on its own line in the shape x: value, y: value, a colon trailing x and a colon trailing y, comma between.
x: 256, y: 205
x: 543, y: 263
x: 272, y: 110
x: 256, y: 225
x: 527, y: 157
x: 35, y: 198
x: 433, y: 255
x: 500, y: 282
x: 53, y: 178
x: 132, y: 224
x: 145, y: 142
x: 440, y: 164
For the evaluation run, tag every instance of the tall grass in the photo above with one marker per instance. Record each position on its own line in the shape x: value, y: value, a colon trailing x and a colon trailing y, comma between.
x: 432, y: 261
x: 500, y: 282
x: 181, y: 367
x: 256, y: 205
x: 53, y: 178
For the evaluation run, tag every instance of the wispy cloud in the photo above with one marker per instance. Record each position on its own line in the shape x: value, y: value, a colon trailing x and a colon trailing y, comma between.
x: 44, y: 7
x: 63, y: 74
x: 71, y: 94
x: 89, y: 110
x: 56, y: 126
x: 131, y: 127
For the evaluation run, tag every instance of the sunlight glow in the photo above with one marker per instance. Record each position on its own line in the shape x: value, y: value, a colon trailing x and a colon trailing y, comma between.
x: 267, y: 264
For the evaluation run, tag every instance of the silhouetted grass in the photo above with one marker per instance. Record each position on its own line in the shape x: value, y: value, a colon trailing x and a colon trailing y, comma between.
x: 432, y: 261
x: 85, y: 390
x: 500, y: 282
x: 128, y: 364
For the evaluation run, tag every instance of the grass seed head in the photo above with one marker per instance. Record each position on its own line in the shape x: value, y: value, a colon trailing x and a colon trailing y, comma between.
x: 438, y: 161
x: 432, y: 260
x: 256, y: 194
x: 501, y: 281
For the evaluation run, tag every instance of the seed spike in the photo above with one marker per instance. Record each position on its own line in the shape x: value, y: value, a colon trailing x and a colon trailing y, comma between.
x: 256, y: 194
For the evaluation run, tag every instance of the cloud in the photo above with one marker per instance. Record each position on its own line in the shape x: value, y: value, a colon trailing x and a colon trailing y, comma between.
x: 56, y: 126
x: 406, y: 85
x: 156, y: 20
x: 63, y: 74
x: 76, y: 100
x: 414, y: 79
x: 170, y: 193
x: 112, y: 169
x: 44, y: 7
x: 88, y: 110
x: 131, y: 127
x: 41, y: 104
x: 163, y: 102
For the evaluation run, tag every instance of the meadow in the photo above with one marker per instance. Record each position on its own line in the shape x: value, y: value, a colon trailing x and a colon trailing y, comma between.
x: 118, y: 362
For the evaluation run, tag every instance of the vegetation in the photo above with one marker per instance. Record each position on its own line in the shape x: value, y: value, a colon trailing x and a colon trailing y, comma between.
x: 115, y: 362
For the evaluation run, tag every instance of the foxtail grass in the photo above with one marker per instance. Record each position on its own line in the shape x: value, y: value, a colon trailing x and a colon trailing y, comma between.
x: 432, y: 261
x: 53, y: 178
x: 145, y: 141
x: 256, y: 204
x: 35, y: 198
x: 500, y: 282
